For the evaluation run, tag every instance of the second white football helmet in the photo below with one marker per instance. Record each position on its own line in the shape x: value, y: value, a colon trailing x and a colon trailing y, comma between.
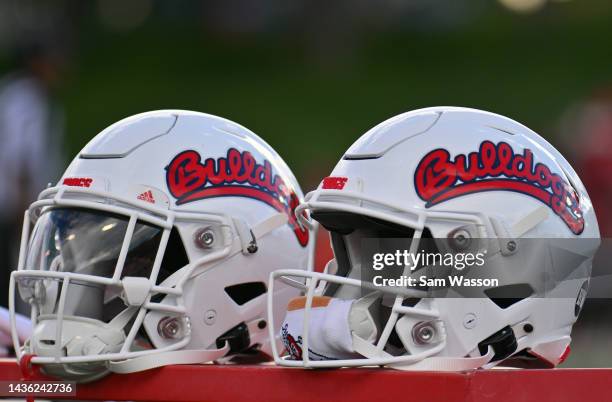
x: 455, y: 180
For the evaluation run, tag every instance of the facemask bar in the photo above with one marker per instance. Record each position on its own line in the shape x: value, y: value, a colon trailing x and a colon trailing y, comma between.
x: 353, y: 202
x: 138, y: 211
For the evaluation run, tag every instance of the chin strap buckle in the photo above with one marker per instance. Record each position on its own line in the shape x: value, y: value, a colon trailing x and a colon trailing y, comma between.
x: 237, y: 338
x: 252, y: 247
x: 503, y: 343
x: 248, y: 242
x: 248, y: 237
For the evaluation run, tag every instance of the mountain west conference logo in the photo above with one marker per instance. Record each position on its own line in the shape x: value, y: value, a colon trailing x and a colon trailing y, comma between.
x: 439, y: 178
x: 236, y: 175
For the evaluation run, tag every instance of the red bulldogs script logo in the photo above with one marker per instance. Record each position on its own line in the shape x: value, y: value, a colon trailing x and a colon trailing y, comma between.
x: 439, y: 178
x: 237, y: 175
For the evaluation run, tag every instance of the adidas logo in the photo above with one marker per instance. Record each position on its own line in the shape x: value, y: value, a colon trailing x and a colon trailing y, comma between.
x: 147, y: 196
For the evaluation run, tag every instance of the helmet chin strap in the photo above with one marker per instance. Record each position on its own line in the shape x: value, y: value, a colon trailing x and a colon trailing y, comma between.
x: 345, y: 329
x: 439, y: 363
x: 363, y: 334
x: 159, y: 359
x: 434, y: 363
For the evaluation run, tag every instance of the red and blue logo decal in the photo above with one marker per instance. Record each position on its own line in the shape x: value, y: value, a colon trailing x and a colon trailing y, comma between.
x: 439, y: 178
x: 293, y: 347
x: 236, y: 175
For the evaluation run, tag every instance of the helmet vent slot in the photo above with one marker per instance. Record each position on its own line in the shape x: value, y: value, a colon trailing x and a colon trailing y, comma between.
x: 508, y: 295
x: 245, y: 292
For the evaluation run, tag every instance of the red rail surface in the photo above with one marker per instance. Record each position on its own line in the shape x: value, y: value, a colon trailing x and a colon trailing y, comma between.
x: 269, y: 384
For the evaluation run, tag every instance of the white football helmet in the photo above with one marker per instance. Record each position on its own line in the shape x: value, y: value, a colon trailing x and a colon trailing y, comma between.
x: 462, y: 179
x: 155, y: 248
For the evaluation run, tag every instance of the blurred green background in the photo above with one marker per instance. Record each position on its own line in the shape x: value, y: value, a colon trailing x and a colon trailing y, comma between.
x: 311, y: 76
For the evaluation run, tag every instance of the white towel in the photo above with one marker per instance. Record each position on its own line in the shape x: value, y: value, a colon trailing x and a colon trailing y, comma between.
x: 329, y: 331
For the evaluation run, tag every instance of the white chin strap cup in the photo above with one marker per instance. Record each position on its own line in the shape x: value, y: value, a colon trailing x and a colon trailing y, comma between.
x: 79, y: 337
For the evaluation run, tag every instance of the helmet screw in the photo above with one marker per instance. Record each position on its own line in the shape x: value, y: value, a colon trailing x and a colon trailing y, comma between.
x: 262, y: 324
x: 210, y: 317
x: 528, y: 328
x: 423, y: 333
x: 170, y: 328
x: 511, y: 246
x: 204, y: 238
x: 469, y: 321
x: 460, y: 239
